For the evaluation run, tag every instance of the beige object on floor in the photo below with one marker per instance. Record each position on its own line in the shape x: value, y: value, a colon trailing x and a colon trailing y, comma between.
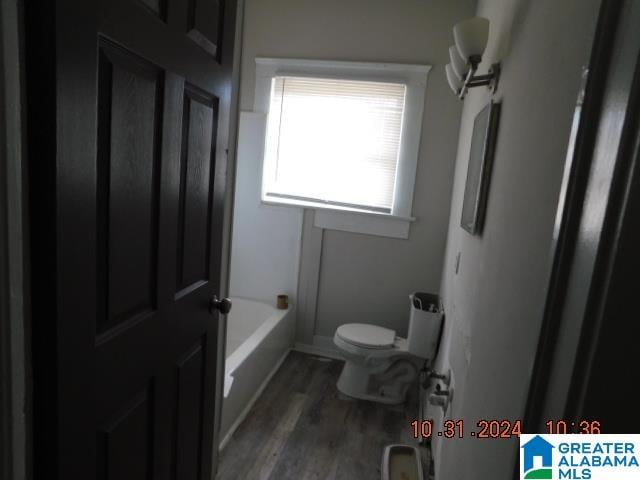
x: 401, y: 462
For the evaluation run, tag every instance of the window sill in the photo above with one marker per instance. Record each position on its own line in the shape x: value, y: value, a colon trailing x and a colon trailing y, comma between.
x: 352, y: 220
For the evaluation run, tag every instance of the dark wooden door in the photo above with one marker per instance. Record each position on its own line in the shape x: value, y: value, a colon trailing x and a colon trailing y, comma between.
x: 129, y: 104
x: 590, y: 328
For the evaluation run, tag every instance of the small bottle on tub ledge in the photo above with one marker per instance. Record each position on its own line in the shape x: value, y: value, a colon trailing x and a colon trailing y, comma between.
x: 283, y: 302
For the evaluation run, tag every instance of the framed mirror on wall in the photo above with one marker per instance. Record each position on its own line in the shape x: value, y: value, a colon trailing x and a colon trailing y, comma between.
x: 485, y: 130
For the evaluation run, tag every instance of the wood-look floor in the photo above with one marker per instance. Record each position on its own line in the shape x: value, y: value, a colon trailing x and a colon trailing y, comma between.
x: 302, y: 428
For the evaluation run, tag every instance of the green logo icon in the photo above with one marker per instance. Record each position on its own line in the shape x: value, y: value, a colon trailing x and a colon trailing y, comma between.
x: 537, y: 447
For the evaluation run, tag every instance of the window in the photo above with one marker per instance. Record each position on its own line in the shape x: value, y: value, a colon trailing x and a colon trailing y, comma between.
x: 341, y: 136
x: 333, y: 141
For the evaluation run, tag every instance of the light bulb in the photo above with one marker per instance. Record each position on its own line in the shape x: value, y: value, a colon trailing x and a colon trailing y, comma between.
x: 471, y: 37
x: 460, y: 66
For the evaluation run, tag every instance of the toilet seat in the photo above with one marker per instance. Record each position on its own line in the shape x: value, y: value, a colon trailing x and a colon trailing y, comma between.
x: 378, y: 366
x: 367, y: 336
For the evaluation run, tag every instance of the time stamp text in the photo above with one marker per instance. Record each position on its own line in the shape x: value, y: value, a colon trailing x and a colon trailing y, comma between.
x: 496, y: 429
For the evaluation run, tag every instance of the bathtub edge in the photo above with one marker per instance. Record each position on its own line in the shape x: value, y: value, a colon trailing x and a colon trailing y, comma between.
x: 240, y: 418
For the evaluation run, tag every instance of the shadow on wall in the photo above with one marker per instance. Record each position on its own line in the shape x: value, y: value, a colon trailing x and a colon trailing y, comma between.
x: 265, y: 246
x: 503, y: 28
x: 494, y: 285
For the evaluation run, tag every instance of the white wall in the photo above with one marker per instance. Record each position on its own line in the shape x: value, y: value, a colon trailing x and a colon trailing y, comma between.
x: 494, y: 304
x: 361, y: 277
x: 266, y: 240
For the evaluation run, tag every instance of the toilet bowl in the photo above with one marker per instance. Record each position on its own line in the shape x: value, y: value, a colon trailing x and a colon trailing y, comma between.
x: 378, y: 366
x: 381, y: 366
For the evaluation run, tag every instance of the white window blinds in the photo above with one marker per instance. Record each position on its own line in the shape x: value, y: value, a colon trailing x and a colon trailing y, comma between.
x: 333, y: 141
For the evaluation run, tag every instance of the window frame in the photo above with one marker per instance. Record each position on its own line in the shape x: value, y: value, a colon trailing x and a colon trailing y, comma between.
x: 413, y: 76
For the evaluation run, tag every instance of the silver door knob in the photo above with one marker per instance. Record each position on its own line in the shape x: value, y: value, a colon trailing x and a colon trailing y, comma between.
x: 223, y: 306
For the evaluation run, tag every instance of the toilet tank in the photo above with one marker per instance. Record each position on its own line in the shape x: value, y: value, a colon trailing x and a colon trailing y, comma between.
x: 425, y: 324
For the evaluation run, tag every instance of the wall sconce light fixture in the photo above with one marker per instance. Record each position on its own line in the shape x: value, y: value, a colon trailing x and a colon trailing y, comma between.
x: 471, y: 37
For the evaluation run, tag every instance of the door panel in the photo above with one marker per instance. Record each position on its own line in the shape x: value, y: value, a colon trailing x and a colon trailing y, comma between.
x: 131, y: 133
x: 203, y: 23
x: 125, y: 443
x: 129, y: 127
x: 156, y: 6
x: 189, y: 419
x: 199, y: 131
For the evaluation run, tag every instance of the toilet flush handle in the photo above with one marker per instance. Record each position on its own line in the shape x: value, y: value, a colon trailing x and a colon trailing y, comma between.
x: 441, y: 398
x: 437, y: 400
x: 444, y: 377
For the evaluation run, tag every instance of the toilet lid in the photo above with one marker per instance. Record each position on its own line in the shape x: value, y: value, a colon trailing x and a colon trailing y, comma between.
x: 367, y: 336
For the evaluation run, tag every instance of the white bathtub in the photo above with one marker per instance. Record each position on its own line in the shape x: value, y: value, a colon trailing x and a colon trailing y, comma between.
x: 259, y: 337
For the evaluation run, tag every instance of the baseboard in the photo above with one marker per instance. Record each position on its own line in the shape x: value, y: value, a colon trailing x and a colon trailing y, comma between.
x: 234, y: 426
x: 322, y: 347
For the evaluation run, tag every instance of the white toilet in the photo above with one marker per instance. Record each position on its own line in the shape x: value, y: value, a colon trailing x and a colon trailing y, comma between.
x: 380, y: 366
